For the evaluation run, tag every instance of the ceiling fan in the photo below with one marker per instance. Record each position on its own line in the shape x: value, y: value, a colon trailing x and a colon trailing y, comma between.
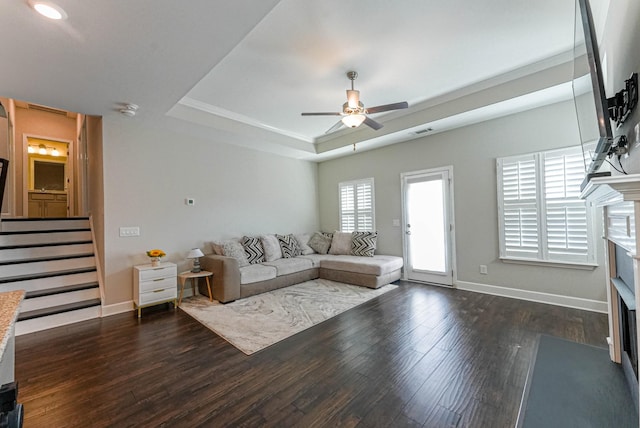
x: 353, y: 111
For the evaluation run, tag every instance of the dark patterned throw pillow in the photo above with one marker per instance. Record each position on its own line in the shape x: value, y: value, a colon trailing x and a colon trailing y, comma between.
x: 253, y: 249
x: 289, y: 246
x: 363, y: 243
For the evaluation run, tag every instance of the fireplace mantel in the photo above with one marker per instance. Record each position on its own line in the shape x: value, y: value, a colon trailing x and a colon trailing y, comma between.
x: 619, y: 196
x: 612, y: 189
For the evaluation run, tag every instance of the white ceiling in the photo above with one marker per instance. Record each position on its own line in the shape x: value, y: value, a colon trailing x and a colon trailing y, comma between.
x: 241, y: 72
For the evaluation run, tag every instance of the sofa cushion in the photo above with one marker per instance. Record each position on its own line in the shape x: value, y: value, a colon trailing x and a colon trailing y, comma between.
x: 256, y: 273
x: 286, y: 266
x: 363, y: 243
x: 376, y: 265
x: 320, y: 243
x: 217, y: 246
x: 341, y: 243
x: 253, y: 249
x: 315, y: 258
x: 271, y: 247
x: 288, y: 246
x: 303, y: 243
x: 236, y: 250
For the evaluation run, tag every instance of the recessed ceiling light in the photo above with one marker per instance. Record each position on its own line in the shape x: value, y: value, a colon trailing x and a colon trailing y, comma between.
x: 48, y: 9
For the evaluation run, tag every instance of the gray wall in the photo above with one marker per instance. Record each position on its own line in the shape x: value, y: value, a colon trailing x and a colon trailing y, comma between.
x: 619, y: 44
x: 472, y: 151
x: 148, y: 173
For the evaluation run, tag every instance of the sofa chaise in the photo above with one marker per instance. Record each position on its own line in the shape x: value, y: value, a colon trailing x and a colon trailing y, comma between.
x: 241, y: 270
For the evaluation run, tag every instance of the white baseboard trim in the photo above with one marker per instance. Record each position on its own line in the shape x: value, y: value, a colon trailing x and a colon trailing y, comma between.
x: 535, y: 296
x: 117, y: 308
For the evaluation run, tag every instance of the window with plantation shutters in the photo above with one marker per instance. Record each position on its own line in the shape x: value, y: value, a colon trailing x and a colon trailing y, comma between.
x: 356, y: 205
x: 541, y: 215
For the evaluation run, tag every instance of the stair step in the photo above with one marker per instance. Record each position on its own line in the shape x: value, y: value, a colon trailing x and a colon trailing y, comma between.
x: 32, y: 224
x: 46, y: 275
x: 52, y: 245
x: 54, y: 310
x: 42, y: 252
x: 50, y: 258
x: 59, y: 290
x: 57, y: 320
x: 49, y: 282
x: 56, y: 300
x: 26, y: 239
x: 32, y: 268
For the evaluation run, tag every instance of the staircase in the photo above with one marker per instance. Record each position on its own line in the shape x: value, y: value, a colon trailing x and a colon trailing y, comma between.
x: 53, y: 260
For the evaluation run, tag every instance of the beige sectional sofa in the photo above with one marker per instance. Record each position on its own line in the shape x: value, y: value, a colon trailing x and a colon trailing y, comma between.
x: 233, y: 279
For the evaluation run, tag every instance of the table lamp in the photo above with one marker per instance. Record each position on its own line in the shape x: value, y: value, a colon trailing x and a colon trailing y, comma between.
x: 195, y: 254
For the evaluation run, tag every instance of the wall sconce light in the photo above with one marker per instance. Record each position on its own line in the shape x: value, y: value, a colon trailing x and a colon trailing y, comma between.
x: 41, y: 149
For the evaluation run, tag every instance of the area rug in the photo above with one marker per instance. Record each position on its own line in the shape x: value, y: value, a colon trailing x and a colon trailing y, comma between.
x: 575, y: 385
x: 259, y: 321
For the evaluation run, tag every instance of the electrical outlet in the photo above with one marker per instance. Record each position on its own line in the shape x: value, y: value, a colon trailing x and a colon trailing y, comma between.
x: 483, y: 269
x: 129, y: 231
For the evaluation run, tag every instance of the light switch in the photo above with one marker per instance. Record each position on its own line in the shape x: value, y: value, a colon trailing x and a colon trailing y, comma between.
x: 190, y: 202
x: 129, y: 231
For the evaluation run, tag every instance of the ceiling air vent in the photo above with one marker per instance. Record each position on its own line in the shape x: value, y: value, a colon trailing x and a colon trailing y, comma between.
x: 423, y: 131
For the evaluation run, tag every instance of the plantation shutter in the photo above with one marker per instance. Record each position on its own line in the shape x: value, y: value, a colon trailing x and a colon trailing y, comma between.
x: 519, y: 217
x: 541, y: 215
x: 356, y: 205
x: 565, y: 213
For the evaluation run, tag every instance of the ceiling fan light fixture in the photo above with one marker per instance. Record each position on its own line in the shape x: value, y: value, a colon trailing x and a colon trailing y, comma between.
x: 353, y: 120
x: 353, y: 98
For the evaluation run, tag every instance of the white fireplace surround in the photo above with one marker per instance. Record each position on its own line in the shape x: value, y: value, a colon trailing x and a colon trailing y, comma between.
x: 619, y: 196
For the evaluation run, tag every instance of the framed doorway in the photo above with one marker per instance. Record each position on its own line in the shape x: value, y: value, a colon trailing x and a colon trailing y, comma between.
x: 428, y: 229
x: 47, y: 196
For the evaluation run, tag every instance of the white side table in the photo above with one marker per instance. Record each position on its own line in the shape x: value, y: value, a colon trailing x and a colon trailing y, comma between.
x: 154, y: 285
x: 183, y: 276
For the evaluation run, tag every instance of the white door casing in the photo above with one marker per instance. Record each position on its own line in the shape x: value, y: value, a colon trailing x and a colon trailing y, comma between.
x: 428, y: 227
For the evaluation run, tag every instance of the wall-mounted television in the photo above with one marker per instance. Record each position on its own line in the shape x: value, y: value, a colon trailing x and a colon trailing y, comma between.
x: 588, y: 90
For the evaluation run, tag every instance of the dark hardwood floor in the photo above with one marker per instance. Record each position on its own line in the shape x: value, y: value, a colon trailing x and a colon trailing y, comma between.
x: 416, y: 356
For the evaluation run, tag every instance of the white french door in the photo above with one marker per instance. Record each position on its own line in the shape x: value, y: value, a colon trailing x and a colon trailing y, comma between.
x: 428, y: 225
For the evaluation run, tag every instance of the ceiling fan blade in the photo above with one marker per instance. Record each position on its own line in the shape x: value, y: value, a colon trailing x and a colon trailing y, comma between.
x: 372, y: 123
x: 334, y: 127
x: 322, y: 114
x: 387, y: 107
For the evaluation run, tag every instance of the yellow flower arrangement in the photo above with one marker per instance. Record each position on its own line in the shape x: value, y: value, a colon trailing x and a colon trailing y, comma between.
x: 156, y: 253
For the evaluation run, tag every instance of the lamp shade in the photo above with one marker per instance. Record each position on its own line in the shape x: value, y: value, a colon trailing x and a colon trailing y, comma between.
x: 353, y: 120
x: 195, y: 253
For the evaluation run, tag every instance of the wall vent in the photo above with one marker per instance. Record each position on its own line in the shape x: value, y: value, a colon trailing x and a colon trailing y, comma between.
x: 423, y: 131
